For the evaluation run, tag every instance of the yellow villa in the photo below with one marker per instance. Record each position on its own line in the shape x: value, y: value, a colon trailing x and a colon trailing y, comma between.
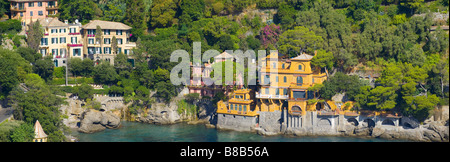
x: 282, y: 86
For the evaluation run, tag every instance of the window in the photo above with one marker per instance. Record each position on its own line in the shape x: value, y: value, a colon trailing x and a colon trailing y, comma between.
x: 245, y: 108
x: 44, y: 41
x: 118, y: 32
x: 274, y: 65
x: 31, y: 4
x: 276, y: 78
x: 240, y: 107
x: 31, y: 13
x: 282, y: 66
x: 277, y: 91
x: 310, y: 95
x: 107, y: 50
x: 235, y: 106
x: 72, y: 30
x: 107, y: 41
x: 62, y: 30
x: 98, y: 50
x: 76, y: 52
x: 62, y: 51
x: 285, y: 91
x: 299, y: 67
x: 39, y: 4
x: 91, y: 40
x: 40, y: 13
x: 267, y: 79
x: 119, y: 41
x: 299, y: 80
x: 299, y: 94
x: 74, y: 40
x: 266, y: 91
x: 106, y: 32
x: 119, y: 50
x: 62, y: 39
x: 91, y: 31
x: 54, y: 40
x: 285, y: 79
x: 91, y: 50
x: 21, y: 15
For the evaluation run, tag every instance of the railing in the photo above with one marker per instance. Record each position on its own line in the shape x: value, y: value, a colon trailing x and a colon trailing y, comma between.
x: 75, y: 45
x: 74, y: 33
x: 18, y: 8
x: 271, y: 96
x: 53, y: 7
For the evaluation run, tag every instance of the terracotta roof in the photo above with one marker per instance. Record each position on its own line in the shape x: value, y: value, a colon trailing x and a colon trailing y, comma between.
x: 223, y: 55
x: 51, y: 22
x: 106, y: 25
x: 38, y: 131
x: 303, y: 57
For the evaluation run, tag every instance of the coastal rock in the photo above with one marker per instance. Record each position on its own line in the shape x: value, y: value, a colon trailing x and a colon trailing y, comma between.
x: 162, y: 113
x: 94, y: 121
x: 432, y: 135
x: 442, y: 131
x: 377, y: 132
x: 362, y: 131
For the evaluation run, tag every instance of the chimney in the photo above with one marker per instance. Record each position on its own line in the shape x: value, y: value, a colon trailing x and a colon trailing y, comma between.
x: 76, y: 21
x: 66, y: 21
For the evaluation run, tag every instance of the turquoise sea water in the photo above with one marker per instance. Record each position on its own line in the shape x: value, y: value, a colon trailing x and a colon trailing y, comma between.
x: 141, y: 132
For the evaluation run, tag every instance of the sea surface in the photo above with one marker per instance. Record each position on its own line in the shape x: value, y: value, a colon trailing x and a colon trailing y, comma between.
x: 142, y: 132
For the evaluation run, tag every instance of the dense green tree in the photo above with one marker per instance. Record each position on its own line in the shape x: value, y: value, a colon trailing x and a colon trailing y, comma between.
x: 9, y: 73
x: 293, y: 42
x: 323, y: 59
x: 35, y: 33
x: 413, y: 55
x: 163, y: 13
x: 104, y: 73
x: 122, y: 66
x: 340, y: 83
x: 29, y: 54
x: 39, y: 103
x: 83, y: 10
x: 114, y: 11
x: 191, y: 10
x: 135, y: 16
x: 24, y: 133
x: 286, y: 16
x: 44, y: 68
x: 437, y: 41
x: 84, y: 91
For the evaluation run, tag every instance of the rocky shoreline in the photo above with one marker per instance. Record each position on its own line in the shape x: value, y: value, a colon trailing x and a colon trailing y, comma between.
x: 90, y: 121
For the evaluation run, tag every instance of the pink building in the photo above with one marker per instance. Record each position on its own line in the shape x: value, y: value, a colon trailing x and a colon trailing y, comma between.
x: 197, y: 85
x: 32, y: 10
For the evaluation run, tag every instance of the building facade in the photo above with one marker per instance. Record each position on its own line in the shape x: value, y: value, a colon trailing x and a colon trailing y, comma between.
x: 32, y: 10
x: 99, y: 46
x: 61, y: 40
x: 283, y: 86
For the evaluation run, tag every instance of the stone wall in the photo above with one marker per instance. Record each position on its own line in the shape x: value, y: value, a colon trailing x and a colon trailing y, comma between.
x: 236, y: 122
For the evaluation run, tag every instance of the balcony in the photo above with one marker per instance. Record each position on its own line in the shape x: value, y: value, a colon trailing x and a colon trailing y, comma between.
x: 268, y: 96
x: 91, y: 35
x: 19, y: 9
x: 48, y: 8
x: 299, y: 85
x: 74, y: 45
x: 74, y: 33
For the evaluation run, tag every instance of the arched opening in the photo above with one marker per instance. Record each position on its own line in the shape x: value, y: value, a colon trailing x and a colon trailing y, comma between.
x: 324, y: 123
x: 296, y: 110
x: 319, y: 106
x: 407, y: 125
x: 370, y: 123
x: 353, y: 121
x: 388, y: 122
